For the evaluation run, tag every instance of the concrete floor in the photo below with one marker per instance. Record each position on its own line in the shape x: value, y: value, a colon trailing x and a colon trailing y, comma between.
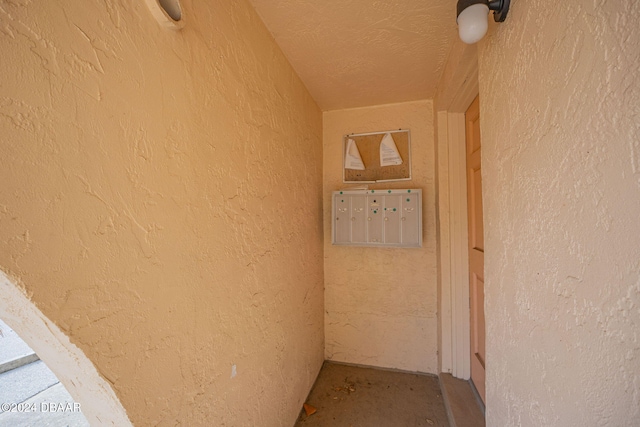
x: 350, y: 396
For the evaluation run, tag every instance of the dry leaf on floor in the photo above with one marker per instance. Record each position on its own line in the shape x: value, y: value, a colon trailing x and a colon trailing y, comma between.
x: 310, y: 410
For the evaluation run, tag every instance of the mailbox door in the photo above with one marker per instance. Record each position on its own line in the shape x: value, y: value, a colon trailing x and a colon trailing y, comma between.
x: 392, y: 211
x: 410, y: 220
x: 341, y: 230
x: 375, y: 216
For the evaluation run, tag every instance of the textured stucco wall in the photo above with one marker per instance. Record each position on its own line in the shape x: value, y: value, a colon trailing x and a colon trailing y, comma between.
x: 380, y: 303
x: 161, y: 203
x: 560, y: 120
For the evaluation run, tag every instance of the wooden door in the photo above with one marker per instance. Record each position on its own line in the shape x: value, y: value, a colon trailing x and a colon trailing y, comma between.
x: 476, y: 246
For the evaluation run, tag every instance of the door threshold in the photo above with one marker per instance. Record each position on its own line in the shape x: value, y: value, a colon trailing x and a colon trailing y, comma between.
x: 462, y: 402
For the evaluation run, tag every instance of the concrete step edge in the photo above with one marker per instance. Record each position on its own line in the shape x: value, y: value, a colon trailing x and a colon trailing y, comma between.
x: 18, y: 362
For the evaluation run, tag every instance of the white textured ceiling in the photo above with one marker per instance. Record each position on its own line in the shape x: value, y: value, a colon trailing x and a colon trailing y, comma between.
x: 354, y: 53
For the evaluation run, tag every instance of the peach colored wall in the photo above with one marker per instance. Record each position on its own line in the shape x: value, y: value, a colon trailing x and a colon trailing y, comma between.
x: 561, y: 173
x: 161, y: 203
x: 380, y: 303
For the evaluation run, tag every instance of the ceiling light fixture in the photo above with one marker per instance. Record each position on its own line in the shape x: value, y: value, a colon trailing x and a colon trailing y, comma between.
x: 472, y: 17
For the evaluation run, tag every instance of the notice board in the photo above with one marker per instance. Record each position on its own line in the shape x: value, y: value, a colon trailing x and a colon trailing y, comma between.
x: 368, y: 148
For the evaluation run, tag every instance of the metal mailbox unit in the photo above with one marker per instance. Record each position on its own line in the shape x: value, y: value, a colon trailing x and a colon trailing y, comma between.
x: 377, y: 218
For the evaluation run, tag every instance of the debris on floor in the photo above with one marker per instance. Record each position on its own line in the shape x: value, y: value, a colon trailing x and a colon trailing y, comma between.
x: 310, y: 410
x: 347, y: 395
x: 348, y: 387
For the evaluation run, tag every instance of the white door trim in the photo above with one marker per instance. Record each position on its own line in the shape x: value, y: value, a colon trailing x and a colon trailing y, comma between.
x: 451, y: 104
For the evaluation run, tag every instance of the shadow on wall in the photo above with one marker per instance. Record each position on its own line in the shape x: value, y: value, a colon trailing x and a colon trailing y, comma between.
x: 86, y: 390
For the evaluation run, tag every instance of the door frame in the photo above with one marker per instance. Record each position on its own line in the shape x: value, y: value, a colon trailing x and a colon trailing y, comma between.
x: 459, y: 87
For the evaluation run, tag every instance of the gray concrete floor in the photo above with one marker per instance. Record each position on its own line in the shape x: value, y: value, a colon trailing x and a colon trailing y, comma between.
x: 11, y: 345
x: 350, y: 396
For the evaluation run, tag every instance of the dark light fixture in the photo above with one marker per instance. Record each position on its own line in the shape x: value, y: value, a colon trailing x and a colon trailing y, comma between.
x: 472, y: 17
